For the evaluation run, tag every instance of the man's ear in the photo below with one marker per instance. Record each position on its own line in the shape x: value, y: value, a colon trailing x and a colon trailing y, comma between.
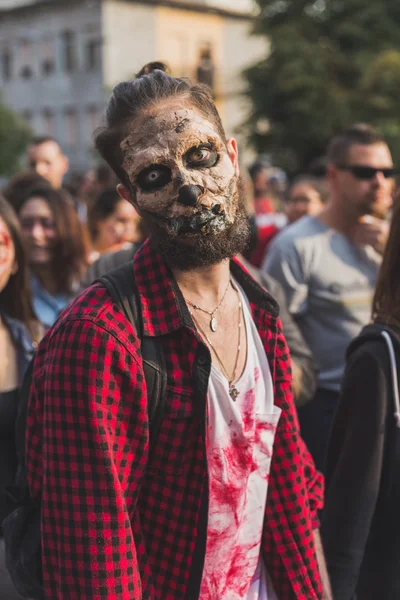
x: 66, y: 164
x: 125, y: 193
x: 233, y: 153
x: 332, y: 173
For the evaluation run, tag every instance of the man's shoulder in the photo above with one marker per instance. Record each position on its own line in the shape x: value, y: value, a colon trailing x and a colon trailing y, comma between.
x: 304, y: 231
x: 90, y: 304
x: 96, y: 308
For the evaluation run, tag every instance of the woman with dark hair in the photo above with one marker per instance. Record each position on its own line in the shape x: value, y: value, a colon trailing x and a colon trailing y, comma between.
x: 113, y: 222
x: 17, y: 328
x: 361, y: 526
x: 18, y: 185
x: 56, y: 247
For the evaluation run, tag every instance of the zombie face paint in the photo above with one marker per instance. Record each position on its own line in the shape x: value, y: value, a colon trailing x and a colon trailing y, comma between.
x: 7, y: 255
x: 181, y: 174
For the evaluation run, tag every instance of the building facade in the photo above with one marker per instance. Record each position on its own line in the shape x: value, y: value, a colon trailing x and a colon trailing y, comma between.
x: 59, y: 60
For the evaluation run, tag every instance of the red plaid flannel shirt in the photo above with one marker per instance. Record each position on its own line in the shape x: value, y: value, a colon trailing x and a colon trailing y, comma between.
x: 115, y: 525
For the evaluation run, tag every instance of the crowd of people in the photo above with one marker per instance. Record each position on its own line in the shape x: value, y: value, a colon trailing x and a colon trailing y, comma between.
x: 227, y: 503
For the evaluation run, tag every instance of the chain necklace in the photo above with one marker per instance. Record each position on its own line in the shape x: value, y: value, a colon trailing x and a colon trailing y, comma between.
x: 213, y: 320
x: 233, y: 391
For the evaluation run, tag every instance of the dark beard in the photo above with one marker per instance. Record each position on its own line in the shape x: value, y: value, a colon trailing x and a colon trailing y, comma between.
x: 202, y: 250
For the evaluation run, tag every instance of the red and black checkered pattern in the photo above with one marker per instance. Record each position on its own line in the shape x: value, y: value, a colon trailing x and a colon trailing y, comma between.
x: 117, y: 522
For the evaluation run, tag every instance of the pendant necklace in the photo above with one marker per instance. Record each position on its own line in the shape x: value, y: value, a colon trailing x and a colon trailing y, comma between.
x: 213, y: 321
x: 233, y: 391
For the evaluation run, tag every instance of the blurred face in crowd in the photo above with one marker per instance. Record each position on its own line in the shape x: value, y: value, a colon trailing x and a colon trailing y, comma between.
x: 261, y: 184
x: 39, y: 230
x: 303, y: 199
x: 48, y: 161
x: 8, y: 264
x: 184, y: 182
x: 364, y: 191
x: 119, y: 227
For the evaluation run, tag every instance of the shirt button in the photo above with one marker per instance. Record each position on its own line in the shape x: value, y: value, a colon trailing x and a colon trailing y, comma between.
x: 202, y: 360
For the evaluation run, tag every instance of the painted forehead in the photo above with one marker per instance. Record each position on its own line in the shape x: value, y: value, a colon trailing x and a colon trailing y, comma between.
x: 164, y: 136
x: 5, y: 242
x: 3, y: 228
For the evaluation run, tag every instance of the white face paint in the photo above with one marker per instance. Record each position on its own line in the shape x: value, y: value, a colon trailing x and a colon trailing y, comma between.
x: 174, y: 146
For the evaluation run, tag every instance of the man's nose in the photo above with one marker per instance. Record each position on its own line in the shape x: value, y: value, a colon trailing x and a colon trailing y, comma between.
x: 380, y: 179
x: 189, y: 195
x: 41, y: 169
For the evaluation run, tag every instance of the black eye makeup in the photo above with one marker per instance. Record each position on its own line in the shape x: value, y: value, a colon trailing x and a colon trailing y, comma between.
x: 154, y: 178
x: 201, y: 157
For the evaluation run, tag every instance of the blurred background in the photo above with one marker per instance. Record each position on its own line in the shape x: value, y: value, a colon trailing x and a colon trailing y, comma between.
x: 286, y: 74
x: 310, y: 90
x: 60, y: 59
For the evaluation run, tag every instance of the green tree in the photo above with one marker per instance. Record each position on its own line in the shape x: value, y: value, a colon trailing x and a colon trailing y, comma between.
x: 330, y: 63
x: 14, y: 136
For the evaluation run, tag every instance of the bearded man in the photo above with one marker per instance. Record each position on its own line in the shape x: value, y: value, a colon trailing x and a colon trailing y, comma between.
x: 191, y: 519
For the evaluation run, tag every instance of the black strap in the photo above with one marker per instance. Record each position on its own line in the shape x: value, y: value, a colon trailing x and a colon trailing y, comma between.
x: 21, y: 422
x: 121, y: 284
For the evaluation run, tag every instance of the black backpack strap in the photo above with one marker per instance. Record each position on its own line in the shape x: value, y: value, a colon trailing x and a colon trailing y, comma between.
x: 393, y: 373
x: 21, y: 422
x: 379, y: 332
x: 121, y: 285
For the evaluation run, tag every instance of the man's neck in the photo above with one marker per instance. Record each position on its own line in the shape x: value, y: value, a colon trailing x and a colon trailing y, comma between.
x: 204, y: 285
x: 334, y: 217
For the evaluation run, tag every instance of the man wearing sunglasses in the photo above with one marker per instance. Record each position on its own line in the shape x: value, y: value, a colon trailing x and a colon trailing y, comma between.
x: 328, y: 265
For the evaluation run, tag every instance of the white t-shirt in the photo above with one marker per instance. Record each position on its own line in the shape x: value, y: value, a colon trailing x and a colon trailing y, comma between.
x: 240, y: 437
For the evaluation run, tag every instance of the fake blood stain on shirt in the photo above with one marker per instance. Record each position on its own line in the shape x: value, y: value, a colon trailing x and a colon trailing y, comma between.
x: 231, y: 463
x: 236, y: 462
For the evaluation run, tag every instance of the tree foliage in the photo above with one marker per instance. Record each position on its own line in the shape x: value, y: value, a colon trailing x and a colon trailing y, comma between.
x: 330, y: 63
x: 14, y: 136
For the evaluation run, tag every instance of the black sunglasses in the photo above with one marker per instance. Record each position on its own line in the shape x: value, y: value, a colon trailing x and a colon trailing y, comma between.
x: 363, y: 172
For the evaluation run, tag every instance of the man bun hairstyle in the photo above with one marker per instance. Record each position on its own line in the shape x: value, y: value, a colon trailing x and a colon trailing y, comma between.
x: 151, y: 67
x: 360, y: 134
x: 152, y: 84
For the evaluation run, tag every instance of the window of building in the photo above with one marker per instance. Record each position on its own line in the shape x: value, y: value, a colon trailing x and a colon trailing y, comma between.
x: 93, y: 118
x: 48, y: 122
x: 6, y: 64
x: 47, y: 57
x: 71, y: 127
x: 26, y: 70
x: 93, y: 115
x: 205, y: 67
x: 69, y: 51
x: 92, y: 54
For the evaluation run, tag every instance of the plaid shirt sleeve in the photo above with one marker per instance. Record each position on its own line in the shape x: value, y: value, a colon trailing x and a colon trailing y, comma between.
x: 87, y: 443
x: 313, y: 478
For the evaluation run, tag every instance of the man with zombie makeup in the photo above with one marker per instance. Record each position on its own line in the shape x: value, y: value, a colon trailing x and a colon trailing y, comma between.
x: 189, y: 518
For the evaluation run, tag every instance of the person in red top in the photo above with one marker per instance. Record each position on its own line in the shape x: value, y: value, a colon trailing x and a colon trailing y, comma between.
x: 191, y: 519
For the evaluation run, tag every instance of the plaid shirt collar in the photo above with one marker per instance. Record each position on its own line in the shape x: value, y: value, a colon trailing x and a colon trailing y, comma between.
x: 163, y: 306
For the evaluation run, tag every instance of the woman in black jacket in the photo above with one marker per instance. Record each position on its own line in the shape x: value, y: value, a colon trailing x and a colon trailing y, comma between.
x: 18, y: 331
x: 361, y: 525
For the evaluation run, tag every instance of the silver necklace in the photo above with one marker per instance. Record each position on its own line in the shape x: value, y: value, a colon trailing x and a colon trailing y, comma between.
x: 233, y: 391
x: 213, y: 321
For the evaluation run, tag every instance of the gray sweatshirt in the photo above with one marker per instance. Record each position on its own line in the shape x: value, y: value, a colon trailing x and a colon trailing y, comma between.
x: 329, y: 284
